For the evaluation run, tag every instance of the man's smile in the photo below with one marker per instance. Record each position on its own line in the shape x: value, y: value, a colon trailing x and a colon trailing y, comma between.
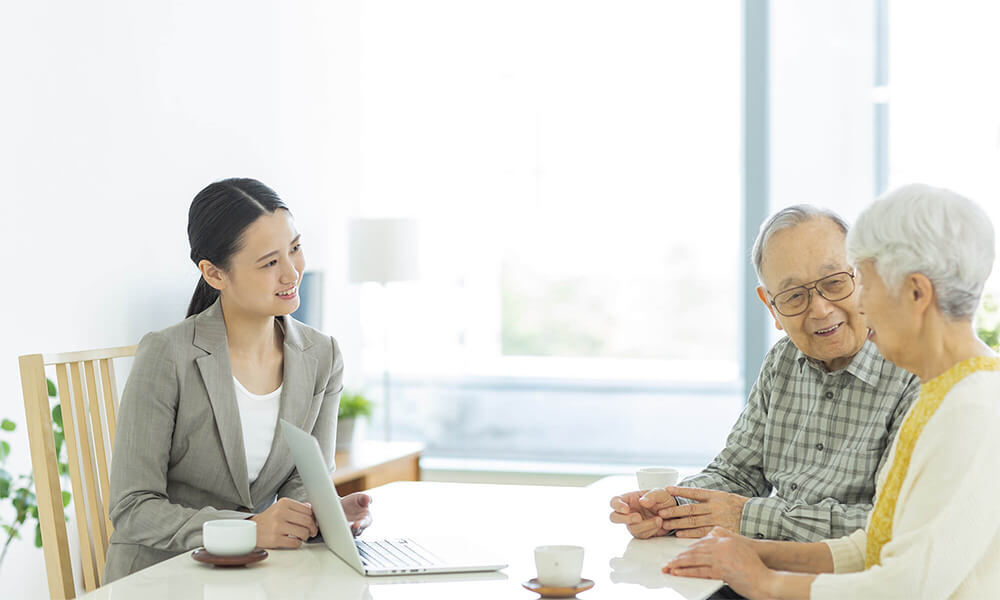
x: 829, y: 330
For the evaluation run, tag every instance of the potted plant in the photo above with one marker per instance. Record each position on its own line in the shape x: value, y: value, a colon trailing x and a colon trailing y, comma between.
x: 17, y: 492
x: 352, y: 407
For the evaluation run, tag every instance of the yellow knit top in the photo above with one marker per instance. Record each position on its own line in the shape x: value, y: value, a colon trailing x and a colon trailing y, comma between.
x: 932, y: 394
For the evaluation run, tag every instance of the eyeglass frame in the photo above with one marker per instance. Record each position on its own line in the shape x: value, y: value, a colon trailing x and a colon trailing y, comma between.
x: 810, y: 287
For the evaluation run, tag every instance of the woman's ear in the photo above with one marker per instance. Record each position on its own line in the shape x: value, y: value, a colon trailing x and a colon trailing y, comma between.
x: 213, y: 276
x: 919, y: 291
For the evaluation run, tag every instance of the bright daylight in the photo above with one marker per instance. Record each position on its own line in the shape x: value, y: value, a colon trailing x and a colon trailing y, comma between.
x: 384, y: 299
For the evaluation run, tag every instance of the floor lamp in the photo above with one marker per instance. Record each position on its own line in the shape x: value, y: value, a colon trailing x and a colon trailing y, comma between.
x: 383, y: 251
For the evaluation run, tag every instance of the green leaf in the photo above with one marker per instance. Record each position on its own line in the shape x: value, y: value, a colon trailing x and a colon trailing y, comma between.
x: 52, y: 387
x: 38, y: 535
x: 4, y: 450
x: 4, y: 487
x: 57, y: 415
x: 7, y: 425
x: 59, y: 439
x: 66, y: 498
x: 63, y: 469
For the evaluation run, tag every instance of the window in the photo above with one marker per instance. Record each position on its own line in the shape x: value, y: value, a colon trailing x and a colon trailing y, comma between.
x: 575, y: 167
x: 944, y: 100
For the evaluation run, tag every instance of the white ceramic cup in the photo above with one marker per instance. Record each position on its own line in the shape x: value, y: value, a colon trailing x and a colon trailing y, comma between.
x: 559, y: 566
x: 656, y: 477
x: 229, y: 537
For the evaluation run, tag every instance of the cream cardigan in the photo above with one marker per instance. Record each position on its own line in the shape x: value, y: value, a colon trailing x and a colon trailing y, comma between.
x: 946, y: 528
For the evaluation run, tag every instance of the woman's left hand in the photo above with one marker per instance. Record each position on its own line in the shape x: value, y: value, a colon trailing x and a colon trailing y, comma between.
x: 724, y: 555
x: 356, y: 507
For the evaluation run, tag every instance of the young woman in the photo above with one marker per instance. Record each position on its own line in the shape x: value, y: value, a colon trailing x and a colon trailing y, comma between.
x: 197, y: 435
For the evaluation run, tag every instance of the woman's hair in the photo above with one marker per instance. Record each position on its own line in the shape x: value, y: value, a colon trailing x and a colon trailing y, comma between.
x: 928, y: 230
x: 219, y: 215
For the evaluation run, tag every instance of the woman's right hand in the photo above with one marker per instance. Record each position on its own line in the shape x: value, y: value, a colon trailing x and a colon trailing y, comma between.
x: 285, y: 524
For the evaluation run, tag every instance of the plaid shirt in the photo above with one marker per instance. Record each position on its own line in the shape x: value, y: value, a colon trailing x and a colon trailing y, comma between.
x: 816, y: 439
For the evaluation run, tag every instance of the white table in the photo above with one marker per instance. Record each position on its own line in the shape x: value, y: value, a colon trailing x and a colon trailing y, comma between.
x: 510, y: 519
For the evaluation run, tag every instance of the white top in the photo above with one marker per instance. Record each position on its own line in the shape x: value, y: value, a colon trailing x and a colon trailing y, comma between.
x: 259, y: 418
x: 946, y: 528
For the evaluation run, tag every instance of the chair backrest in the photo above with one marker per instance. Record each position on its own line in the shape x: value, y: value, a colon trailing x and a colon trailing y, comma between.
x: 88, y: 395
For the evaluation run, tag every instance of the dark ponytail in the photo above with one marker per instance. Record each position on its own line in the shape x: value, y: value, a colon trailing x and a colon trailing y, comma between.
x: 219, y: 215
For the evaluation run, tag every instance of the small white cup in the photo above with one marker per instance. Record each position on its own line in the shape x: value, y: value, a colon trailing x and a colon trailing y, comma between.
x: 656, y: 477
x: 229, y: 537
x: 559, y: 566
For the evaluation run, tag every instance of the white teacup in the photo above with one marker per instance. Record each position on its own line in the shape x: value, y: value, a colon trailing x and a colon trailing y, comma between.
x: 229, y: 537
x: 559, y: 566
x: 656, y: 477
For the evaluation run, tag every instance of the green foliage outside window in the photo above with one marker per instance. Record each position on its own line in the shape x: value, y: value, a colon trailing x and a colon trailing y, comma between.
x: 988, y: 322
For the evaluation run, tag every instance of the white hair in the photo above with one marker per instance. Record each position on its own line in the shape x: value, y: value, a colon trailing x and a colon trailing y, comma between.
x: 785, y: 219
x: 922, y: 229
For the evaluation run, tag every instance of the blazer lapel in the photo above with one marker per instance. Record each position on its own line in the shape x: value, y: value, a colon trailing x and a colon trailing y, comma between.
x: 298, y: 383
x: 217, y: 374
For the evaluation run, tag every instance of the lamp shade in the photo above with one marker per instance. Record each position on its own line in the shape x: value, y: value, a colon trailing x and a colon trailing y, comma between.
x: 383, y: 250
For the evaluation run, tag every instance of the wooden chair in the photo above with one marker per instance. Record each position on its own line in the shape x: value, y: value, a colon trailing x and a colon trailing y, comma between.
x: 87, y: 392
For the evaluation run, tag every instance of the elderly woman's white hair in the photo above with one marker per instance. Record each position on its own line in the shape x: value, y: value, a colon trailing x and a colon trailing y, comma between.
x: 922, y: 229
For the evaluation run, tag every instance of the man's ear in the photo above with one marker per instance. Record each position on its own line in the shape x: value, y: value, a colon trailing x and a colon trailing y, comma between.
x: 770, y: 309
x: 212, y: 275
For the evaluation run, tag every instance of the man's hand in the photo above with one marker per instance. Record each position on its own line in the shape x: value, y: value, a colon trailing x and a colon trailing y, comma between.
x: 638, y: 511
x: 358, y: 514
x: 727, y: 556
x: 285, y: 524
x: 713, y: 509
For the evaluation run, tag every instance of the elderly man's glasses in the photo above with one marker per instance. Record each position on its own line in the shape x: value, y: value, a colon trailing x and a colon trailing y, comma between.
x: 794, y: 301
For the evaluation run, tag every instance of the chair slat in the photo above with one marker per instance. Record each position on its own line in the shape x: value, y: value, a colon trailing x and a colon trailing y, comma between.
x: 97, y: 427
x: 89, y: 398
x: 110, y: 399
x: 87, y: 462
x: 48, y: 492
x: 76, y: 477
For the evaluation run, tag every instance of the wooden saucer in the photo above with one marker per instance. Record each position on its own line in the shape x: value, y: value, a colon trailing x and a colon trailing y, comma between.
x: 557, y: 592
x: 202, y: 555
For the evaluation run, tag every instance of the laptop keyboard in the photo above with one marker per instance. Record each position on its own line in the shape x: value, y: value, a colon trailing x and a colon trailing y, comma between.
x: 396, y: 554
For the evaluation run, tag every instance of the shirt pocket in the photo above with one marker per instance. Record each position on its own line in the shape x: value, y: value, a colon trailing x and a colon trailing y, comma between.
x: 852, y: 473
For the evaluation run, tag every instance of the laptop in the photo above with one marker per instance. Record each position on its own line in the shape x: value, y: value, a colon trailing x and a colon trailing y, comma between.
x: 395, y: 556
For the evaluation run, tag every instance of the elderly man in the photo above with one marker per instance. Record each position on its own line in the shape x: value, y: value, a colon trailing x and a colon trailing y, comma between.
x: 819, y: 420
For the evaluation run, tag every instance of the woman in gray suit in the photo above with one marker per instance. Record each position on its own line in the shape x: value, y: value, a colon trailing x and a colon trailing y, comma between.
x: 197, y: 435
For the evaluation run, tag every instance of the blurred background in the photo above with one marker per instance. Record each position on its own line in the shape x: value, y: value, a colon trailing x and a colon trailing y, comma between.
x: 586, y: 178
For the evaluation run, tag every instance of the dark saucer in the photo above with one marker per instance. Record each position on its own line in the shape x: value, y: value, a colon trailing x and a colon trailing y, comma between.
x: 202, y: 555
x: 557, y: 592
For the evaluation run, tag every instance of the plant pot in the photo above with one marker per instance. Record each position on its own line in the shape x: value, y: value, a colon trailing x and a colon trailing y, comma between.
x: 346, y: 430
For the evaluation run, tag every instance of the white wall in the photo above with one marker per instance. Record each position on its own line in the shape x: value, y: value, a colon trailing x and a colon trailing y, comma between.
x: 113, y: 114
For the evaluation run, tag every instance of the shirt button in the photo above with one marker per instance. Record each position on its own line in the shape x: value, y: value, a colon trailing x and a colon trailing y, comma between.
x: 759, y: 536
x: 795, y: 486
x: 819, y: 447
x: 829, y: 395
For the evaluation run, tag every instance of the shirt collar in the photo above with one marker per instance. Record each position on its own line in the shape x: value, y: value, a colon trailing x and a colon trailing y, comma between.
x: 866, y: 364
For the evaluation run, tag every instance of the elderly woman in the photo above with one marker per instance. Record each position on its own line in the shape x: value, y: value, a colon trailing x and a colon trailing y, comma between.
x: 922, y: 256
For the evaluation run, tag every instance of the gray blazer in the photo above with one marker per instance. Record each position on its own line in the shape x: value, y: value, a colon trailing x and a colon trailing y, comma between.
x: 179, y: 458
